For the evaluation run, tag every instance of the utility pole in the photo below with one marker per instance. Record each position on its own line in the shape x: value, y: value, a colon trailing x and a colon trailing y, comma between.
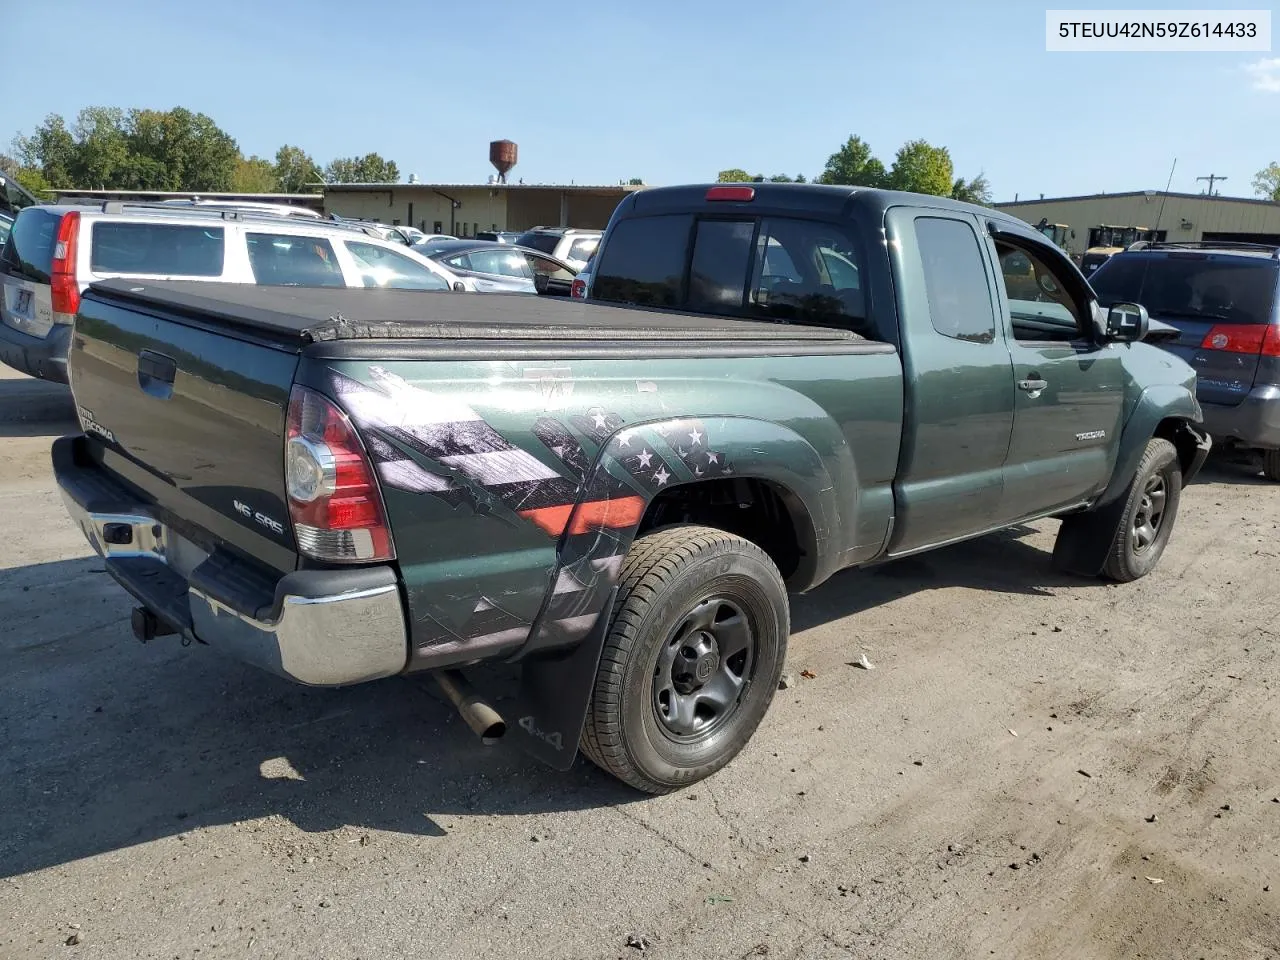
x: 1212, y: 178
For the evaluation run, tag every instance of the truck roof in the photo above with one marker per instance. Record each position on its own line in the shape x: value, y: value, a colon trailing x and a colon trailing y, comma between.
x: 816, y: 198
x: 303, y: 315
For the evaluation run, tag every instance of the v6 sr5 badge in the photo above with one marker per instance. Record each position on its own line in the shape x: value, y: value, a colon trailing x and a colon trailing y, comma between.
x: 258, y: 517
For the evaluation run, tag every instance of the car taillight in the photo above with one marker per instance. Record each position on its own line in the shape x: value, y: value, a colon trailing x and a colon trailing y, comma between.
x: 1238, y: 338
x: 1271, y: 341
x: 64, y: 291
x: 579, y: 289
x: 334, y: 500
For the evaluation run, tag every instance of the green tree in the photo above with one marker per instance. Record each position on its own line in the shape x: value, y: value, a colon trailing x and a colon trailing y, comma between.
x: 921, y: 167
x: 180, y: 150
x: 140, y: 150
x: 733, y: 175
x: 1266, y: 183
x: 51, y: 149
x: 636, y: 182
x: 370, y: 168
x: 854, y: 165
x: 254, y: 175
x: 295, y: 171
x: 976, y: 190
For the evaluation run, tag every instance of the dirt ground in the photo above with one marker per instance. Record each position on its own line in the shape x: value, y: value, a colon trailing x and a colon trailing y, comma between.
x: 1037, y: 767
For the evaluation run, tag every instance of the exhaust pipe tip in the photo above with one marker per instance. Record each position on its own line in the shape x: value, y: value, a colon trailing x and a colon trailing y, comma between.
x: 485, y: 722
x: 492, y: 733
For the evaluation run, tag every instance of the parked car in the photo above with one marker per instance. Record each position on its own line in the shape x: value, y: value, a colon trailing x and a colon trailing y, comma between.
x: 14, y: 196
x: 1222, y: 298
x: 396, y: 234
x: 570, y: 245
x: 581, y: 287
x: 54, y: 252
x: 501, y: 268
x: 498, y: 236
x: 791, y: 380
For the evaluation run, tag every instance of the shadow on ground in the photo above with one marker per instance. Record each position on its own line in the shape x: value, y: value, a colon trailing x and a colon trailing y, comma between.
x: 105, y: 743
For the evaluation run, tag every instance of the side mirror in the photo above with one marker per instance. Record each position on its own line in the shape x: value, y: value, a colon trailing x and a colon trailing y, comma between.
x: 1127, y: 323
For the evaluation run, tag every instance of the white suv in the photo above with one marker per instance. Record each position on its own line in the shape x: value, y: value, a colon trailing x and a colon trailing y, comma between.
x: 54, y: 252
x: 567, y: 244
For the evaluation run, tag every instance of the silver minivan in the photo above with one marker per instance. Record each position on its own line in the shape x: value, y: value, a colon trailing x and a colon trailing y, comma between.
x: 54, y: 252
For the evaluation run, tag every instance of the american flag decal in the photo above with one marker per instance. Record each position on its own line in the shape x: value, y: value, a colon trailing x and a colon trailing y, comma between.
x: 588, y: 490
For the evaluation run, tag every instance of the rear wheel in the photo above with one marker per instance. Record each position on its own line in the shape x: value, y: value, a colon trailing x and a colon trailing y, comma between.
x: 1271, y: 464
x: 1150, y: 511
x: 692, y: 659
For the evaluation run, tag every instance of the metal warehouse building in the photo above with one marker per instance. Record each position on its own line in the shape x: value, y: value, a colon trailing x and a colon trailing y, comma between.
x: 1173, y: 216
x: 462, y: 209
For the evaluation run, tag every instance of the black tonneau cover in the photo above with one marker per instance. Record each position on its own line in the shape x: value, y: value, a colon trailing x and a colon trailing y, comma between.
x: 303, y: 315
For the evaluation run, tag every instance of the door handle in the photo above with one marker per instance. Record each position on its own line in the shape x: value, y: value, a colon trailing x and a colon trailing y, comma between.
x: 156, y: 373
x: 1032, y: 385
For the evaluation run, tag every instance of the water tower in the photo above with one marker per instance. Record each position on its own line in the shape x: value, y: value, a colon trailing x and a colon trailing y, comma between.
x: 503, y: 154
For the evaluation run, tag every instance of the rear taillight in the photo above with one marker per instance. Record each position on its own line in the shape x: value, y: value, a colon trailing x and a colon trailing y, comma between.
x: 1271, y: 341
x: 1237, y: 338
x: 64, y: 291
x: 579, y: 289
x: 739, y: 194
x: 333, y: 493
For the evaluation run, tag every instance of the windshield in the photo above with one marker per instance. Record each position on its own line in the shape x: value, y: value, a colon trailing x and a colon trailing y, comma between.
x: 1230, y: 289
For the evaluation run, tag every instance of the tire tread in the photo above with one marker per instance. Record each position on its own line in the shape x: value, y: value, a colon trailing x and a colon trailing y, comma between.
x: 654, y: 561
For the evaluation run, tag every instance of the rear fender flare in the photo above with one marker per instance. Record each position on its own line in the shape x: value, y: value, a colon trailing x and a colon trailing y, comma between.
x: 638, y: 463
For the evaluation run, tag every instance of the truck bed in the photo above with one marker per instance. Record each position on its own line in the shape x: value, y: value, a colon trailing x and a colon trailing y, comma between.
x: 300, y: 316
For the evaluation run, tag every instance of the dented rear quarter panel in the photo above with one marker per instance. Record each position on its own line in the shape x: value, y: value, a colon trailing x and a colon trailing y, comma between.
x: 514, y: 488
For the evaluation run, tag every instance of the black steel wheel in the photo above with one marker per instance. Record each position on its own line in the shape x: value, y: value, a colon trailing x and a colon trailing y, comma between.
x: 1150, y: 511
x: 692, y: 660
x: 703, y: 669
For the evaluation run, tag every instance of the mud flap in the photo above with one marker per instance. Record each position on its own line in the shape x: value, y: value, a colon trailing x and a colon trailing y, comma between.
x: 555, y: 690
x: 1085, y: 539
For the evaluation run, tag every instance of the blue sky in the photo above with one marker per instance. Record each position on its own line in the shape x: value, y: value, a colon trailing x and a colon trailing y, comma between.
x: 668, y: 91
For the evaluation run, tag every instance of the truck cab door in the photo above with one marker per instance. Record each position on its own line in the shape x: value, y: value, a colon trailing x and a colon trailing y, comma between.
x: 958, y: 380
x: 1070, y: 387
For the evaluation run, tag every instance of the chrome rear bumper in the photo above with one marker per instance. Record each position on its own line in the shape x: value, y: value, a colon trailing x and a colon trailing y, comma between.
x: 318, y: 627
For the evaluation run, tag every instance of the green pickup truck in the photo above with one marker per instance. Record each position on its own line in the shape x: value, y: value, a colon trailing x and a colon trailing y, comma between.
x: 770, y: 383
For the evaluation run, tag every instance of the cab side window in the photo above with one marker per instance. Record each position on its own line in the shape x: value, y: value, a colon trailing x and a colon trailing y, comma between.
x: 1041, y: 306
x: 955, y: 279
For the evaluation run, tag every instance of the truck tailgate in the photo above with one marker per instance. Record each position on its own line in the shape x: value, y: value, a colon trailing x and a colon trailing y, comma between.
x: 194, y: 416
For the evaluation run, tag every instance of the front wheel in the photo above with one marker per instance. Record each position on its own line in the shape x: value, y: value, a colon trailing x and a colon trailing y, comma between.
x: 692, y: 660
x: 1149, y: 514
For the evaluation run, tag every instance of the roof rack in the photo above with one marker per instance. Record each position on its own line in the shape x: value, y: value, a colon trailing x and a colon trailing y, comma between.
x: 1243, y: 246
x: 214, y: 212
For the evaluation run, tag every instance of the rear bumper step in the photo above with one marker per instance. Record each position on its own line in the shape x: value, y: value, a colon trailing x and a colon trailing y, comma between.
x: 317, y: 627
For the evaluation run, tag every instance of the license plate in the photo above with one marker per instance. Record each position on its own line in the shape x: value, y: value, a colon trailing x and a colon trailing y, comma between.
x: 23, y: 306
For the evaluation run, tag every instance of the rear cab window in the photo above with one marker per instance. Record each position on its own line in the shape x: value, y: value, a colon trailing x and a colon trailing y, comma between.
x: 771, y: 268
x: 156, y: 249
